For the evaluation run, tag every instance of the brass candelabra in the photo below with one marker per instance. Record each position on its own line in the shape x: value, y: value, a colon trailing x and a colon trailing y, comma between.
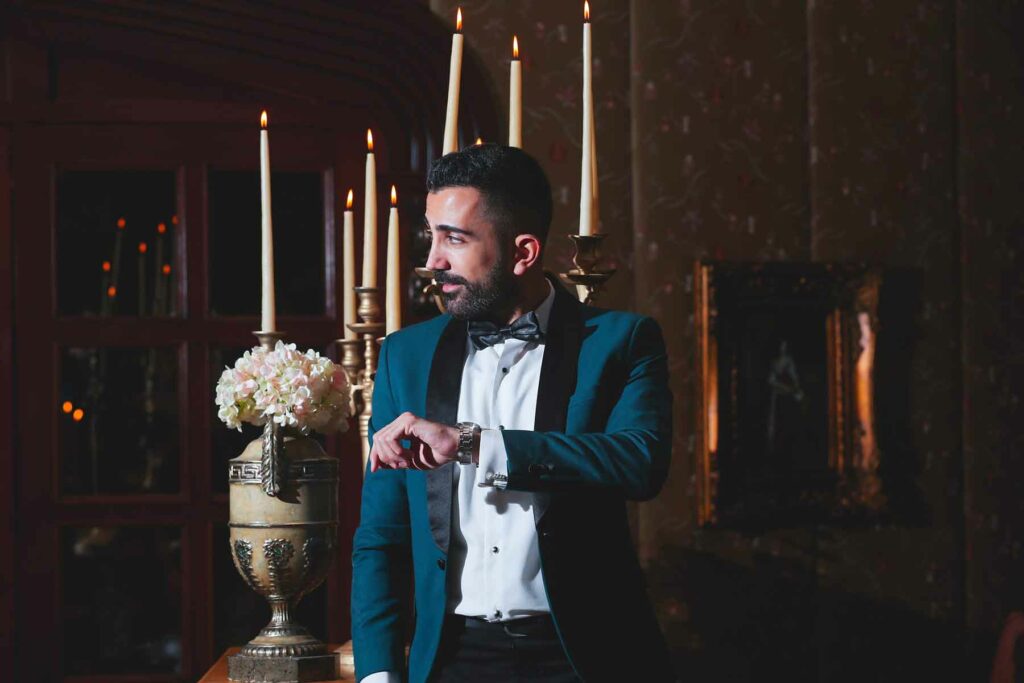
x: 586, y: 276
x: 361, y: 363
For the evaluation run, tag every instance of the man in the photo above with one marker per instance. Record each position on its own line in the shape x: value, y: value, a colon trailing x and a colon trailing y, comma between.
x: 507, y: 436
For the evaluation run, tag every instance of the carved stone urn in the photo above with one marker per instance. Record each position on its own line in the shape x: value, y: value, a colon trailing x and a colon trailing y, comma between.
x: 283, y: 519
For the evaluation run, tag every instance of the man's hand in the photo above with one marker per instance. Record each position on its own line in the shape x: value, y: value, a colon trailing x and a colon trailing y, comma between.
x: 432, y: 444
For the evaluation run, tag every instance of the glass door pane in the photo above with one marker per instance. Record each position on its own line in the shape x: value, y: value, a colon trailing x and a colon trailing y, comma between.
x: 121, y: 599
x: 119, y: 420
x: 115, y: 241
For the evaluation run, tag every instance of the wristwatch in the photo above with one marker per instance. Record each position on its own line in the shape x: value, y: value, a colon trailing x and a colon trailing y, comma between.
x: 469, y: 443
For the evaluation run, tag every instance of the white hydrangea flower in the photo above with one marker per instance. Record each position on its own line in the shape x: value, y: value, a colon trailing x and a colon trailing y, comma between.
x: 302, y: 390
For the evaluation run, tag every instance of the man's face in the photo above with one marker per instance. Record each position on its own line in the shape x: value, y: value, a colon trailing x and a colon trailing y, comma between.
x: 469, y: 262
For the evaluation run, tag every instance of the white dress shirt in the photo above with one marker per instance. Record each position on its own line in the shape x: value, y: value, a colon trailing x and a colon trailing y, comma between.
x: 494, y: 567
x: 494, y: 561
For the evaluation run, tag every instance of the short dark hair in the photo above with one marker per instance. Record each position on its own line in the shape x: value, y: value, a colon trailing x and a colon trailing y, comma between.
x: 515, y: 187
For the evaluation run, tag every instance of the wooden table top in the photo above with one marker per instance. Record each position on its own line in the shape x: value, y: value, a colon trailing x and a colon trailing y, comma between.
x: 218, y: 673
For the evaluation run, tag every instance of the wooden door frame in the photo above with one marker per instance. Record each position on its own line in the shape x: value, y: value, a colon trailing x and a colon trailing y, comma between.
x: 7, y: 469
x: 196, y: 508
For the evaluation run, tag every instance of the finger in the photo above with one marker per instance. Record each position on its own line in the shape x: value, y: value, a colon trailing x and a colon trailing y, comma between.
x: 426, y: 456
x: 415, y: 456
x: 387, y: 447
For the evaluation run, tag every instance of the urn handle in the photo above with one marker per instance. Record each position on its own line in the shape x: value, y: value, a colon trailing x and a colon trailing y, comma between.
x: 273, y: 447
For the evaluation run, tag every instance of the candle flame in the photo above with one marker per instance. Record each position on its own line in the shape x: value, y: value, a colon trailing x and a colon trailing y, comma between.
x: 143, y: 247
x: 369, y: 140
x: 479, y: 141
x: 161, y: 228
x: 515, y: 47
x: 111, y: 291
x: 78, y: 415
x: 394, y: 196
x: 106, y: 266
x: 67, y: 406
x: 121, y: 223
x: 348, y: 200
x: 166, y: 270
x: 458, y: 21
x: 586, y: 10
x: 174, y: 219
x: 263, y: 120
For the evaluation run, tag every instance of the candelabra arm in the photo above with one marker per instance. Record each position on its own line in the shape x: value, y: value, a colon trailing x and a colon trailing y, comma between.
x: 369, y: 330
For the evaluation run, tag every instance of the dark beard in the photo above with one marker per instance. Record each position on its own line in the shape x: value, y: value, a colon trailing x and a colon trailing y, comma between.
x: 484, y: 300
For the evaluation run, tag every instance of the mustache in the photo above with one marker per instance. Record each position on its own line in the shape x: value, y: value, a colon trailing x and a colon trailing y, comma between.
x: 443, y: 277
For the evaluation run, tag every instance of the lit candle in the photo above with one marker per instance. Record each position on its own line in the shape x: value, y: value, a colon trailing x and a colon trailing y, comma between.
x: 348, y: 296
x: 393, y: 308
x: 167, y: 304
x: 268, y: 320
x: 451, y: 119
x: 142, y: 278
x: 515, y: 98
x: 159, y: 290
x: 370, y: 217
x: 587, y: 167
x: 104, y: 285
x: 116, y: 261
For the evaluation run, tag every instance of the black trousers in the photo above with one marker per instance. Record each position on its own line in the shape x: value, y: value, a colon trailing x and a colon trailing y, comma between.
x: 518, y: 651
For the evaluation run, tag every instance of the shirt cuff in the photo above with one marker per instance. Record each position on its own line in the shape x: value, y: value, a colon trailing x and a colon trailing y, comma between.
x: 492, y: 468
x: 382, y: 677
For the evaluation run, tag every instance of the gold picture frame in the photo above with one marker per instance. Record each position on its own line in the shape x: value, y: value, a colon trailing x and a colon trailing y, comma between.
x: 786, y: 408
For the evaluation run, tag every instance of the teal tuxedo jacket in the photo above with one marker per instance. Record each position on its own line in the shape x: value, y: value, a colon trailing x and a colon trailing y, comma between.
x: 602, y: 436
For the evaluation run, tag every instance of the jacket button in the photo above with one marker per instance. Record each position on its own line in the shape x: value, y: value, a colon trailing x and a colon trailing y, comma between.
x: 440, y: 564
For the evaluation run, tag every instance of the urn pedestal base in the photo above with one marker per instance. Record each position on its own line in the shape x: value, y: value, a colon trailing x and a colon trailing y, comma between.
x: 281, y: 669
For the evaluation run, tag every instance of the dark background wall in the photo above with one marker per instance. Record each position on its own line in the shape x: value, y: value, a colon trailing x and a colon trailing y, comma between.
x: 821, y: 131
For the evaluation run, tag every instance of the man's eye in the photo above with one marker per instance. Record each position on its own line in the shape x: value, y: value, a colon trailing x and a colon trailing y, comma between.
x: 454, y: 239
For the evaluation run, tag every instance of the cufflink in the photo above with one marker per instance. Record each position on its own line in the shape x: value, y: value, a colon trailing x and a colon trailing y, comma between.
x: 498, y: 481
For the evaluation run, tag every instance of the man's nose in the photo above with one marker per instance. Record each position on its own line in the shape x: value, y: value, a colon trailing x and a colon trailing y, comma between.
x: 436, y: 259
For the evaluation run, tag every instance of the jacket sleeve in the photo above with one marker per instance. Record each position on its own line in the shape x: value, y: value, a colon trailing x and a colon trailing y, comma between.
x: 381, y: 552
x: 633, y: 452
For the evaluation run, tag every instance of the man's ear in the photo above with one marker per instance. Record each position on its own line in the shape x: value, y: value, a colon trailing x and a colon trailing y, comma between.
x: 526, y: 254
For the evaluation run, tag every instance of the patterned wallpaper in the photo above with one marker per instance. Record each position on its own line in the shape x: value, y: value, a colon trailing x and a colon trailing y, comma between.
x: 989, y: 105
x: 821, y: 131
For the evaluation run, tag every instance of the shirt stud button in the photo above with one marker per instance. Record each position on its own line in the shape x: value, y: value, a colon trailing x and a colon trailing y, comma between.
x: 494, y: 550
x: 505, y: 370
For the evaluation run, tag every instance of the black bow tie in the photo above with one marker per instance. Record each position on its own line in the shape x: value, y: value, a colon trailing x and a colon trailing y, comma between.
x: 484, y: 333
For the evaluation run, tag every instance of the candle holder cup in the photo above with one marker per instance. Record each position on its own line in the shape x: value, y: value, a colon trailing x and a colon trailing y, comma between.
x: 433, y: 289
x: 586, y: 276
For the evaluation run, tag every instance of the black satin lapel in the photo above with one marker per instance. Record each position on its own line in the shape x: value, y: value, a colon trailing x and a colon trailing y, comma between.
x: 561, y: 357
x: 442, y: 405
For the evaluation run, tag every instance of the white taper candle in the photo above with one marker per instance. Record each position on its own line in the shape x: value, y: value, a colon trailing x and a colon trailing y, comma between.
x: 451, y: 119
x: 370, y: 217
x: 268, y: 316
